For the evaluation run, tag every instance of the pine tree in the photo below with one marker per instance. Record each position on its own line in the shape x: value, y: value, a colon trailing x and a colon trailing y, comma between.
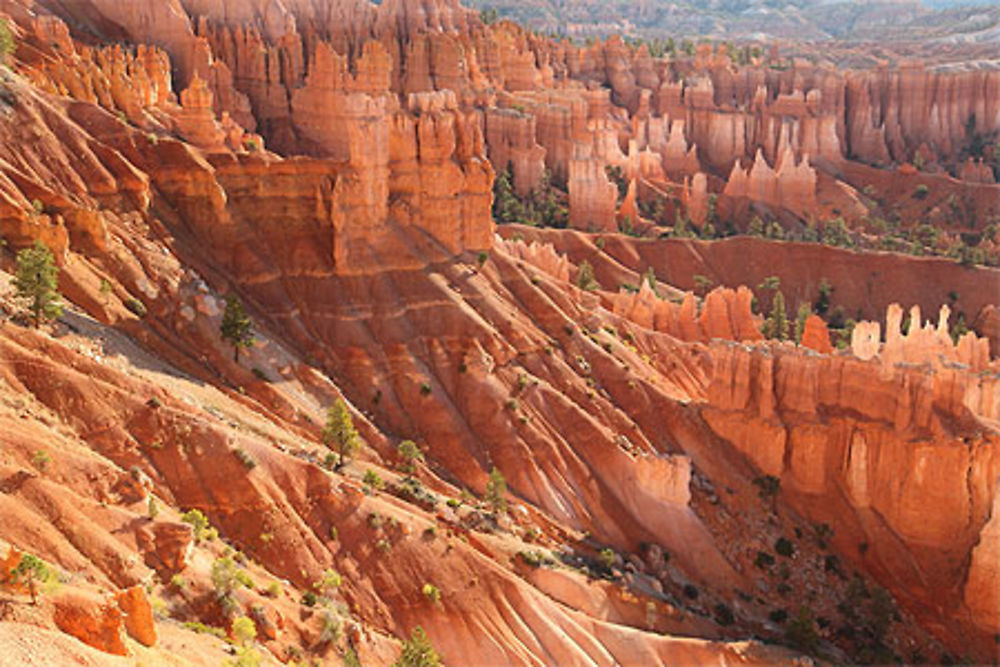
x: 805, y: 310
x: 777, y: 324
x: 496, y: 492
x: 236, y: 326
x: 650, y: 278
x: 585, y: 277
x: 409, y: 453
x: 418, y: 651
x: 37, y: 281
x: 506, y: 206
x: 33, y: 569
x: 7, y: 44
x: 339, y: 432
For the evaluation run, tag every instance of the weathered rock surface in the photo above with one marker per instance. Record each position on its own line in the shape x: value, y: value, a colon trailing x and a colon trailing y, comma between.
x: 621, y: 421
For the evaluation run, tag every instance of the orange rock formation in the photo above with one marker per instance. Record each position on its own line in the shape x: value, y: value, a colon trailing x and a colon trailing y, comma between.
x: 632, y: 423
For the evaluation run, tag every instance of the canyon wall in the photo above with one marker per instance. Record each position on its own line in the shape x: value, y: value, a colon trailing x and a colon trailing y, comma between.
x: 330, y: 163
x: 763, y: 131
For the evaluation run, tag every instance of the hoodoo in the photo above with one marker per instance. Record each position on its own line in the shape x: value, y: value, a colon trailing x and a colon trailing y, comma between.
x: 402, y: 333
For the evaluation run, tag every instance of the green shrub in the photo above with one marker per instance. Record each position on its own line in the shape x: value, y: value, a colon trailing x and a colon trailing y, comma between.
x: 535, y: 558
x: 331, y: 629
x: 203, y: 629
x: 136, y: 307
x: 724, y: 615
x: 784, y: 547
x: 801, y: 633
x: 409, y: 454
x: 418, y: 651
x: 227, y: 577
x: 7, y: 44
x: 244, y: 630
x: 831, y: 563
x: 245, y: 458
x: 331, y: 580
x: 41, y: 459
x: 921, y: 192
x: 198, y: 521
x: 431, y: 592
x: 372, y: 479
x: 764, y: 560
x: 768, y: 486
x: 496, y: 492
x: 585, y: 277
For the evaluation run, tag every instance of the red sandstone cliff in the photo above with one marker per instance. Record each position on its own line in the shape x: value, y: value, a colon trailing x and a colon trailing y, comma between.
x: 626, y: 422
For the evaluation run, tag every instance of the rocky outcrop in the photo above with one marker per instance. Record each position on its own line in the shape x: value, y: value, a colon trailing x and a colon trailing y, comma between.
x: 138, y: 615
x: 93, y: 621
x: 987, y: 325
x: 816, y: 336
x: 788, y: 186
x: 540, y: 255
x: 919, y: 106
x: 881, y: 421
x: 980, y: 593
x: 592, y: 197
x: 724, y: 313
x: 510, y: 138
x: 922, y: 343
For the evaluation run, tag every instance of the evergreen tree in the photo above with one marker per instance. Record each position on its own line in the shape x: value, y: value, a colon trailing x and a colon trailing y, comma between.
x: 776, y: 326
x: 650, y: 278
x: 770, y: 283
x: 236, y: 326
x: 37, y: 281
x: 711, y: 217
x: 409, y: 454
x: 823, y: 300
x: 33, y: 569
x: 801, y: 633
x: 681, y: 225
x: 418, y: 651
x: 702, y: 284
x: 775, y: 230
x: 7, y: 44
x: 506, y: 206
x: 339, y: 433
x: 585, y: 277
x: 496, y: 492
x: 805, y: 310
